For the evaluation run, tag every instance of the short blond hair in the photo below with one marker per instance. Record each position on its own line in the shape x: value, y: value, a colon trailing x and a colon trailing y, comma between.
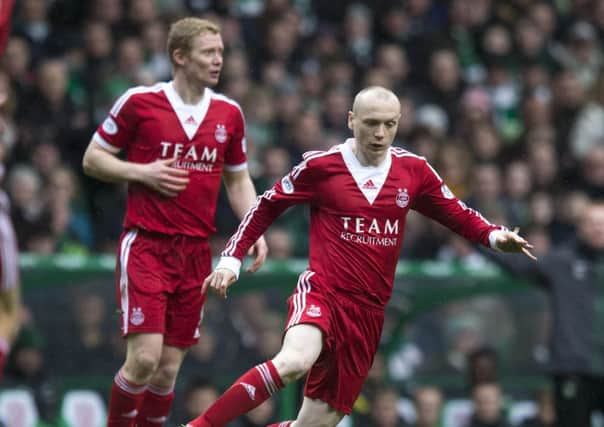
x: 183, y: 31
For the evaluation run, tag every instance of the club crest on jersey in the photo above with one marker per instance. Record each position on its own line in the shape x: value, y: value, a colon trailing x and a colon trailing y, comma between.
x: 137, y: 317
x: 287, y: 185
x: 109, y: 126
x: 220, y: 134
x: 402, y: 198
x: 314, y: 311
x: 447, y: 193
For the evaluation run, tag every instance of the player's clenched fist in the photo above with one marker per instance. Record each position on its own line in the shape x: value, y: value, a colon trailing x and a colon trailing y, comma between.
x: 219, y: 280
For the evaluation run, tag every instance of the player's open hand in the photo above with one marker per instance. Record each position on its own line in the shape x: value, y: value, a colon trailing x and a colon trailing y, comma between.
x: 219, y: 280
x: 510, y: 241
x: 164, y: 178
x: 260, y: 250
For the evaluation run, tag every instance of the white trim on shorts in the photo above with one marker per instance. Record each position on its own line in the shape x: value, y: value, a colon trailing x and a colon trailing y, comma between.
x: 299, y: 298
x: 124, y: 254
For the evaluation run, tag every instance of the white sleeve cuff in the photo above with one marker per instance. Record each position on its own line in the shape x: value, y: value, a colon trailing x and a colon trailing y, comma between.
x: 106, y: 145
x: 235, y: 168
x: 493, y: 236
x: 230, y: 263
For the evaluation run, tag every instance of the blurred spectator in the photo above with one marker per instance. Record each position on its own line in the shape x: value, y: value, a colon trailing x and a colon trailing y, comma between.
x: 488, y: 406
x: 49, y: 114
x: 543, y: 162
x: 445, y: 84
x: 280, y: 244
x: 155, y: 36
x: 454, y: 164
x: 569, y: 97
x: 17, y: 61
x: 428, y: 402
x: 540, y: 238
x: 33, y: 24
x: 109, y: 12
x: 70, y: 222
x: 90, y: 340
x: 423, y: 142
x: 261, y: 118
x: 546, y: 413
x: 588, y: 129
x: 486, y: 142
x: 482, y: 367
x: 569, y: 274
x: 580, y: 52
x: 518, y: 185
x: 487, y: 188
x: 384, y: 411
x: 505, y: 96
x: 30, y: 215
x: 199, y: 394
x: 27, y: 369
x: 8, y: 131
x: 358, y: 34
x: 392, y: 59
x: 593, y: 172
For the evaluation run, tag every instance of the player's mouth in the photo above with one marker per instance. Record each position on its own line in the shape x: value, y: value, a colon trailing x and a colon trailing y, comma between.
x: 215, y: 74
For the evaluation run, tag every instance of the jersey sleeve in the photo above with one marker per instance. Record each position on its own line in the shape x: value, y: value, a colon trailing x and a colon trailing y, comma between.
x: 294, y: 188
x: 436, y: 201
x: 119, y: 127
x: 235, y: 158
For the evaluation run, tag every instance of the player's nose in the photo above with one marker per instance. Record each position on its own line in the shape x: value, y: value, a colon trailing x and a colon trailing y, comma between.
x: 379, y: 132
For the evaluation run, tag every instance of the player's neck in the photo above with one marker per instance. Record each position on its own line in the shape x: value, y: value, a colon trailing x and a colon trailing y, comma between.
x: 367, y: 159
x: 189, y: 92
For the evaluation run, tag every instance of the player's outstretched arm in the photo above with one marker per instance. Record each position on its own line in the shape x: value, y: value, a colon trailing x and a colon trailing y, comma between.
x: 219, y: 280
x: 511, y: 241
x: 159, y: 175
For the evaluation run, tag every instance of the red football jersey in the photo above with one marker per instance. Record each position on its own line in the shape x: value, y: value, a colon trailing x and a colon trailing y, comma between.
x: 358, y: 217
x: 154, y: 123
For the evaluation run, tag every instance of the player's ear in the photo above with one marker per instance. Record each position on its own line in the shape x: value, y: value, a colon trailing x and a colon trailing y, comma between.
x: 350, y: 117
x: 179, y: 56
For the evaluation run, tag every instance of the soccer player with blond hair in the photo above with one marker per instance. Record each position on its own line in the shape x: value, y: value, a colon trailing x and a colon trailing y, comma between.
x: 181, y: 138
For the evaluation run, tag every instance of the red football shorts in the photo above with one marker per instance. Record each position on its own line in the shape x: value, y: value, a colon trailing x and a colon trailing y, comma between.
x: 158, y: 284
x: 351, y: 335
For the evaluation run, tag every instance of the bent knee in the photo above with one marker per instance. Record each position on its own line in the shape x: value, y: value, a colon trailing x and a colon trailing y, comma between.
x: 292, y: 365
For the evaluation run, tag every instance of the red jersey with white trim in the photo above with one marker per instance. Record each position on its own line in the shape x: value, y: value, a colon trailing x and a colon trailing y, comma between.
x: 358, y: 217
x: 153, y: 123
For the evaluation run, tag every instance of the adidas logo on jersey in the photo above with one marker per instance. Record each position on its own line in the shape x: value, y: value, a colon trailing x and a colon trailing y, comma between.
x: 251, y: 390
x: 190, y: 121
x: 369, y: 185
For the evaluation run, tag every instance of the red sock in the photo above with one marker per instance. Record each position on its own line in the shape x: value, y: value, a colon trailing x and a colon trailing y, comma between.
x: 249, y: 391
x: 155, y: 407
x: 4, y: 349
x: 125, y: 399
x: 281, y: 424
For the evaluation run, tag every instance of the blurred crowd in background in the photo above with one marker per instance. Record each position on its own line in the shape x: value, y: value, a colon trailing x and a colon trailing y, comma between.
x: 505, y: 99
